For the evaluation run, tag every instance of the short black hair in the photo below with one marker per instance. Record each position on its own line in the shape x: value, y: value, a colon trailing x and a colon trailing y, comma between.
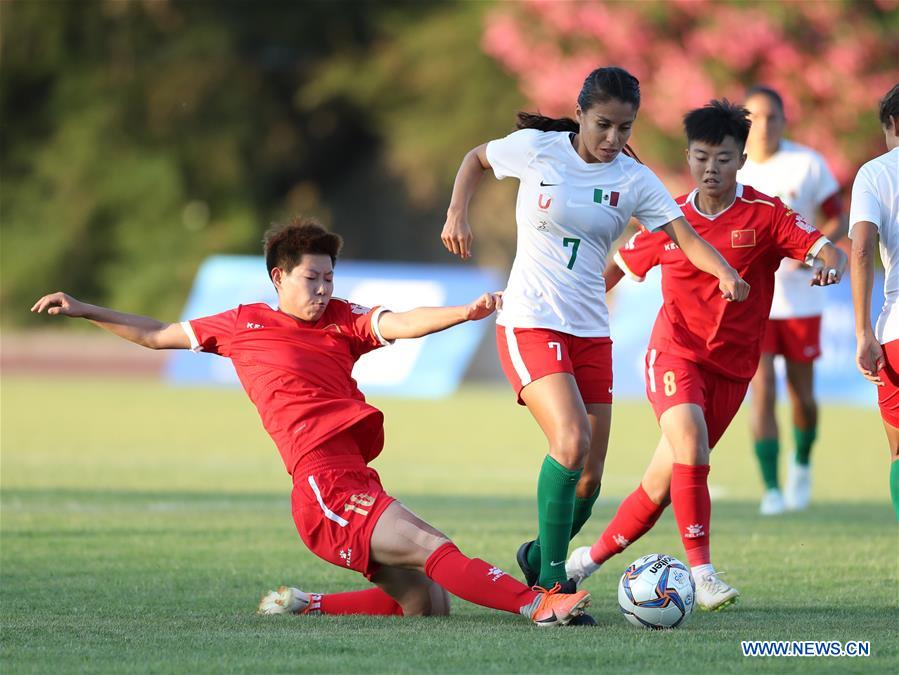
x: 716, y: 120
x: 889, y: 106
x: 285, y: 244
x: 773, y: 96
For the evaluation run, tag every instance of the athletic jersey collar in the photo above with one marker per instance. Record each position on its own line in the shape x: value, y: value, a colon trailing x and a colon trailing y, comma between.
x: 691, y: 200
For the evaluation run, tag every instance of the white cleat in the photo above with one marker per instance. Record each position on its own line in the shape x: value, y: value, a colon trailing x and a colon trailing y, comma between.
x: 713, y: 593
x: 772, y: 503
x: 580, y: 565
x: 285, y: 600
x: 799, y: 487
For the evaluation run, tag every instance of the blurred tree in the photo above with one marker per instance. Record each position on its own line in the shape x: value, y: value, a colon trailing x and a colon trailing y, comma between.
x: 140, y: 136
x: 830, y: 60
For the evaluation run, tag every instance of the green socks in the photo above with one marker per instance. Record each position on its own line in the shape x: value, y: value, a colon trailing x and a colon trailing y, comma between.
x: 555, y: 515
x: 894, y: 486
x: 767, y: 449
x: 583, y: 507
x: 804, y: 439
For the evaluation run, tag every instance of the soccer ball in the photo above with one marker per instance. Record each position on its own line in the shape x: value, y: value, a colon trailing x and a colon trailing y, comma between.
x: 656, y: 591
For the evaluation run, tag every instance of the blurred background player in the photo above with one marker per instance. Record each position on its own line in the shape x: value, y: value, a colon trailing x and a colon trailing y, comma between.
x: 800, y: 177
x: 875, y: 212
x: 295, y: 363
x: 704, y: 349
x: 578, y: 190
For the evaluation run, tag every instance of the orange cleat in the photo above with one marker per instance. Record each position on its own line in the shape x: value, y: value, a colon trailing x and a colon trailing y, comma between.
x: 558, y: 609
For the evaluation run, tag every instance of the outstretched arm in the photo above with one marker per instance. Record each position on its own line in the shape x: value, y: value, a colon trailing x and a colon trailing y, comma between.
x: 426, y: 320
x: 708, y: 259
x: 141, y: 330
x: 456, y: 235
x: 869, y: 353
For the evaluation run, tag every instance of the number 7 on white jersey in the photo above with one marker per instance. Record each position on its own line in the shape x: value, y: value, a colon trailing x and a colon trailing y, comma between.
x: 558, y: 347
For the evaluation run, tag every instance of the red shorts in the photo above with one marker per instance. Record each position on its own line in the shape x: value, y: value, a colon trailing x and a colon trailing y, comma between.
x: 888, y: 394
x: 797, y: 339
x: 672, y: 380
x: 337, y: 500
x: 527, y: 354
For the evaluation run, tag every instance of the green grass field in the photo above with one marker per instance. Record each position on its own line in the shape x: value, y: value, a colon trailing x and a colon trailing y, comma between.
x: 141, y: 524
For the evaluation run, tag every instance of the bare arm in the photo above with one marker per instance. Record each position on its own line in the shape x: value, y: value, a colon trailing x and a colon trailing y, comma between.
x: 456, y: 235
x: 706, y: 258
x: 426, y: 320
x: 869, y: 353
x: 612, y: 274
x: 141, y: 330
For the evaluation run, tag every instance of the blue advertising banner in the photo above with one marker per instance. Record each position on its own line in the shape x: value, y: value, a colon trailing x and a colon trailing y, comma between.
x: 633, y: 307
x: 426, y: 367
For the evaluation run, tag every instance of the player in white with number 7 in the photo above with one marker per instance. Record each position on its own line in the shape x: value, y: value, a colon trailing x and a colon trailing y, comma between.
x: 875, y: 212
x: 578, y: 189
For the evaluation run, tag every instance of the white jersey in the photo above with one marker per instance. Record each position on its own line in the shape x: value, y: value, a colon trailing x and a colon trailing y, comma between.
x: 569, y: 212
x: 800, y: 177
x: 875, y: 199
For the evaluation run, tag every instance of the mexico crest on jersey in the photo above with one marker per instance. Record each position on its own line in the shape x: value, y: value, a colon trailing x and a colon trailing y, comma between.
x: 606, y: 196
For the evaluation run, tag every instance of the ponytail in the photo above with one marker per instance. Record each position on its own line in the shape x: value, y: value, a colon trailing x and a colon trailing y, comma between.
x: 528, y: 120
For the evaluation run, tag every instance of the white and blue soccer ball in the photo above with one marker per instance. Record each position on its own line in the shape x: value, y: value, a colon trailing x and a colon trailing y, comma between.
x: 656, y: 591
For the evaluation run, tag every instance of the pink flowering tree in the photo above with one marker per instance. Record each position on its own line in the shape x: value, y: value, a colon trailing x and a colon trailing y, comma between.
x: 831, y: 60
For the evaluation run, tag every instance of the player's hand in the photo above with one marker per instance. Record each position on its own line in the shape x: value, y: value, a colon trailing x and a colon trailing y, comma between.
x: 826, y: 275
x: 59, y: 303
x: 456, y: 235
x: 484, y: 306
x: 733, y: 288
x: 869, y: 358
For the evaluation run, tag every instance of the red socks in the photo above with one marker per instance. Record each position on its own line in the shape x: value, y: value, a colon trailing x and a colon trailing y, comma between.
x: 477, y: 581
x: 634, y: 518
x: 369, y: 601
x: 692, y: 510
x: 471, y: 579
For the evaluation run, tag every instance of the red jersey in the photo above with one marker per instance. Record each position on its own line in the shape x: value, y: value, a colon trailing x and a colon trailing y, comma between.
x: 298, y: 374
x: 695, y: 322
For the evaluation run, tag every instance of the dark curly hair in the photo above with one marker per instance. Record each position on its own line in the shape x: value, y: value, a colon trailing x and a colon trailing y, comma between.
x: 889, y: 106
x: 285, y: 244
x: 717, y: 119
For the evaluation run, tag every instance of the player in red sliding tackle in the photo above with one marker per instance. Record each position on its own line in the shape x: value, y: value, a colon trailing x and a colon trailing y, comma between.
x: 295, y: 363
x: 704, y: 350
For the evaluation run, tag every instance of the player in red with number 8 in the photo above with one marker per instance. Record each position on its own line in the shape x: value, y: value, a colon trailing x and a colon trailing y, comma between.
x: 703, y: 350
x: 578, y: 189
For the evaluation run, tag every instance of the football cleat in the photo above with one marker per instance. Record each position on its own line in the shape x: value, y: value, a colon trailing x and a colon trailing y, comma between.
x: 554, y: 608
x: 531, y: 575
x: 713, y: 593
x: 772, y: 503
x: 799, y: 487
x: 286, y: 600
x: 580, y: 565
x: 582, y: 620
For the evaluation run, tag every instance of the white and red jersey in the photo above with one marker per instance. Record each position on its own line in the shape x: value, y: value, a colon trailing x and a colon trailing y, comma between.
x: 875, y: 199
x: 298, y: 374
x: 569, y: 212
x: 753, y: 234
x: 802, y: 180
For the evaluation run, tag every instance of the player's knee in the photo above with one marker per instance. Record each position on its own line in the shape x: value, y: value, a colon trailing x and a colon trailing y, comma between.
x: 427, y: 599
x: 570, y: 446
